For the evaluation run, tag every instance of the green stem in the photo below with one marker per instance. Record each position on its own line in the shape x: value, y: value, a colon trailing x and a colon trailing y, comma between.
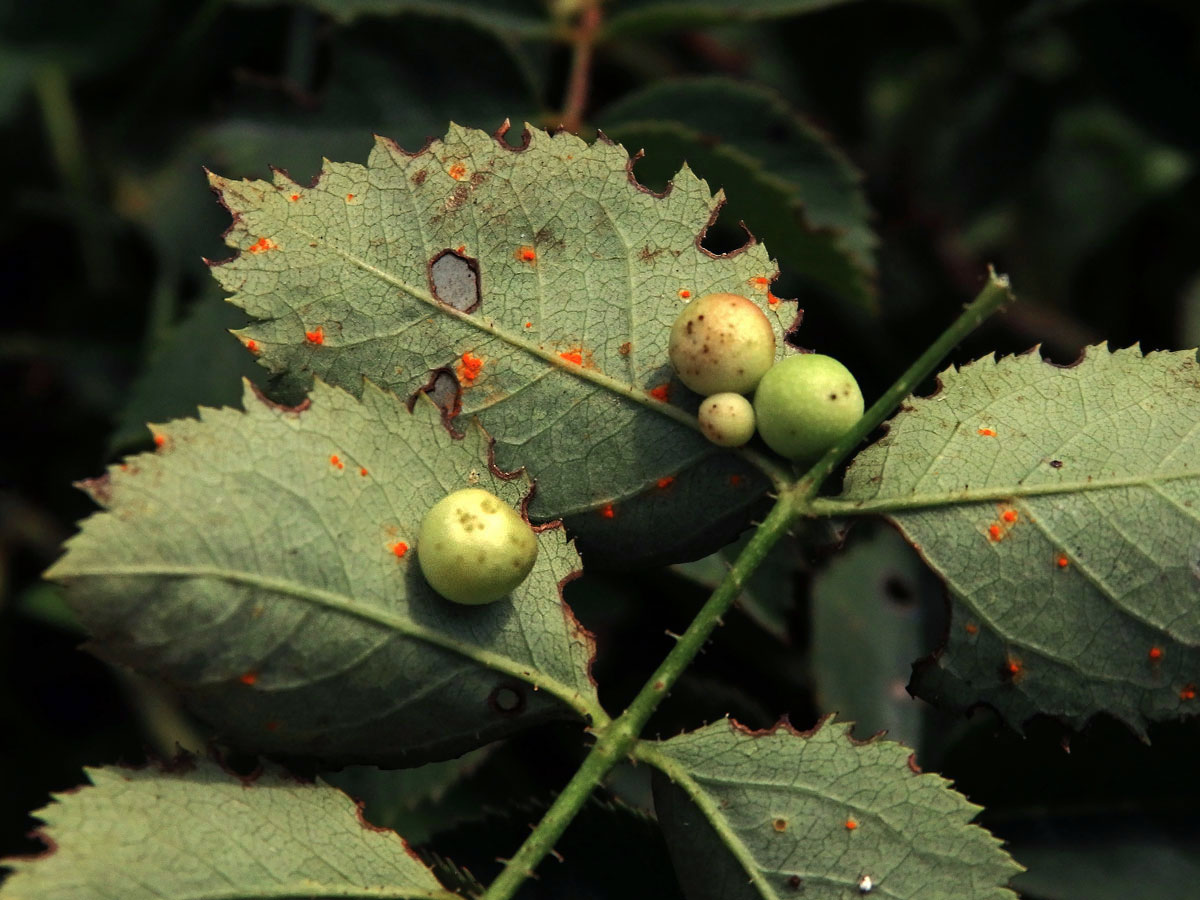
x: 994, y: 295
x: 616, y: 740
x: 64, y: 135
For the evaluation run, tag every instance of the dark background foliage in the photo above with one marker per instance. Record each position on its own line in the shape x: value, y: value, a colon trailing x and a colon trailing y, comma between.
x: 1057, y: 139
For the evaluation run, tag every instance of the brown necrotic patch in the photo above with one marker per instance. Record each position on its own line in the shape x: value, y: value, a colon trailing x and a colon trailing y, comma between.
x: 454, y: 280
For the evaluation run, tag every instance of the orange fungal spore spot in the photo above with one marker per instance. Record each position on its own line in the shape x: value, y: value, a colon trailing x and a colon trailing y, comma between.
x: 780, y: 824
x: 294, y: 197
x: 362, y: 472
x: 1155, y: 654
x: 1062, y: 562
x: 460, y: 249
x: 349, y: 198
x: 665, y: 482
x: 526, y: 254
x: 336, y: 462
x: 851, y: 824
x: 684, y: 293
x: 772, y: 299
x: 252, y: 345
x: 160, y: 440
x: 399, y: 549
x: 995, y: 533
x: 528, y: 324
x: 572, y: 356
x: 1013, y: 668
x: 316, y: 336
x: 249, y: 677
x: 469, y: 368
x: 607, y: 511
x: 971, y: 628
x: 662, y: 393
x: 262, y: 245
x: 1010, y: 515
x: 987, y: 432
x: 760, y: 282
x: 458, y: 171
x: 1188, y: 692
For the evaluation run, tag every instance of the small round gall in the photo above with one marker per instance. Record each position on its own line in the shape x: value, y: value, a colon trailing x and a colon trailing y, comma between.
x: 474, y: 548
x: 805, y: 403
x: 721, y: 343
x: 727, y: 419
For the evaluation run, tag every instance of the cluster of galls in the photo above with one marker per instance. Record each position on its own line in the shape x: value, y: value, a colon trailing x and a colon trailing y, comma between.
x: 474, y: 548
x: 723, y: 347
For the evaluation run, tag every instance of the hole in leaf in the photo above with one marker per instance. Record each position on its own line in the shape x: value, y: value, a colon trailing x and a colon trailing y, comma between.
x: 454, y: 280
x: 507, y: 700
x: 443, y: 389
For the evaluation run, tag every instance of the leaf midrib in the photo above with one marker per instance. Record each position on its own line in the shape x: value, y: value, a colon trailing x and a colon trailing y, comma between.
x: 346, y: 606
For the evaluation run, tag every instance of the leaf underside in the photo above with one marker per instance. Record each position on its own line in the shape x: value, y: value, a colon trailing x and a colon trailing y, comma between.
x: 264, y: 563
x: 1062, y: 508
x: 199, y: 831
x: 782, y: 814
x: 580, y: 273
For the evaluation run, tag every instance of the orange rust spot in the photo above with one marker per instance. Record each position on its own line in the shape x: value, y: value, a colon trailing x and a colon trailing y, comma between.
x: 468, y: 368
x: 661, y: 393
x: 460, y: 249
x: 665, y: 482
x: 772, y: 299
x: 987, y: 432
x: 249, y: 677
x: 607, y: 511
x: 625, y: 348
x: 526, y: 254
x: 780, y: 824
x: 1062, y: 562
x: 760, y: 282
x: 1155, y: 654
x: 399, y: 549
x: 252, y: 345
x: 971, y: 628
x: 572, y: 356
x: 528, y: 324
x: 349, y: 197
x: 262, y: 245
x: 294, y: 197
x: 316, y: 336
x: 160, y: 440
x: 735, y: 480
x: 1012, y: 668
x: 362, y: 472
x: 272, y: 725
x: 995, y: 533
x: 851, y: 824
x: 458, y: 171
x: 336, y: 462
x: 684, y: 293
x: 1009, y: 515
x: 1188, y: 692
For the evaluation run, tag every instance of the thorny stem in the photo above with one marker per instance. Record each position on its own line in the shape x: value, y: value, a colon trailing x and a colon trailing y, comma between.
x: 615, y: 741
x: 584, y: 40
x: 994, y: 295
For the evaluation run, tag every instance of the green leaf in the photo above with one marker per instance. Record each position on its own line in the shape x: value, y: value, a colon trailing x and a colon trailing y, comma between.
x: 517, y: 18
x: 644, y: 16
x: 866, y: 631
x: 786, y: 178
x: 196, y: 830
x: 1086, y: 601
x: 781, y: 813
x: 198, y: 363
x: 259, y: 562
x: 579, y: 272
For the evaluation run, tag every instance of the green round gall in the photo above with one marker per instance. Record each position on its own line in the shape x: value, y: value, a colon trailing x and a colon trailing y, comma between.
x: 721, y: 343
x: 474, y: 548
x: 727, y: 419
x: 805, y: 403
